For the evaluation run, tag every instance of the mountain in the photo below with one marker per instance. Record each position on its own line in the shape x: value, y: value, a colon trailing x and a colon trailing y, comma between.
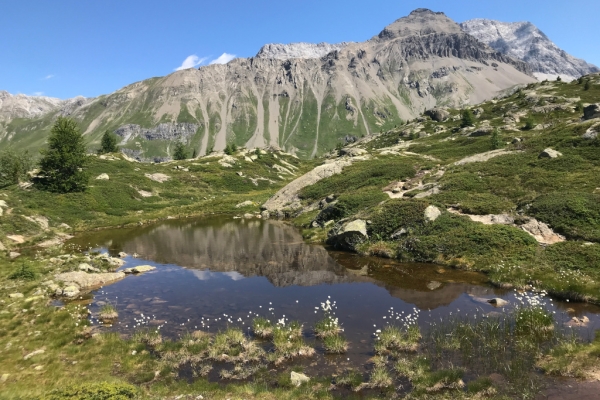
x: 292, y: 97
x: 524, y: 41
x: 298, y: 50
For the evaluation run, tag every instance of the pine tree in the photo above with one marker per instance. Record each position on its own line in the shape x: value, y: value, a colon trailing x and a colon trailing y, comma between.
x: 194, y: 154
x: 62, y: 163
x: 495, y: 140
x: 180, y: 152
x: 587, y: 85
x: 467, y: 118
x: 108, y: 144
x: 558, y: 79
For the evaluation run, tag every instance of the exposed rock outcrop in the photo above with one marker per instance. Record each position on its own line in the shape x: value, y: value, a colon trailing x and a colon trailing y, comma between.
x: 346, y: 235
x: 524, y: 41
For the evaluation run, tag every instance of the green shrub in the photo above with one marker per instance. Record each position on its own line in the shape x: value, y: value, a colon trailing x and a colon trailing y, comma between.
x: 467, y: 119
x: 396, y: 214
x: 26, y: 272
x: 573, y: 214
x: 13, y: 166
x: 108, y: 143
x: 350, y: 203
x: 94, y: 391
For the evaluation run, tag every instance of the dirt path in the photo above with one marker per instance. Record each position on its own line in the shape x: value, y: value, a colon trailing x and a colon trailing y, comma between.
x: 570, y: 389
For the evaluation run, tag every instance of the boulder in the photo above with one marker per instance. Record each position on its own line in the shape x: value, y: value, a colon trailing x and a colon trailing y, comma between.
x: 432, y: 213
x: 102, y: 177
x: 541, y: 232
x: 248, y: 216
x: 246, y: 203
x: 348, y: 234
x: 158, y: 177
x: 298, y: 378
x: 482, y: 131
x: 591, y: 133
x: 122, y: 254
x: 70, y: 291
x: 265, y: 214
x: 550, y: 153
x: 438, y: 114
x: 14, y: 254
x: 591, y: 111
x: 34, y: 353
x: 139, y: 269
x: 87, y: 268
x: 84, y: 280
x: 352, y: 152
x: 498, y: 302
x: 16, y: 295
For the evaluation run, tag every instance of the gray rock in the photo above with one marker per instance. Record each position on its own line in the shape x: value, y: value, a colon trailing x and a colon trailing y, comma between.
x: 248, y: 216
x: 550, y: 153
x: 591, y: 111
x: 516, y: 140
x: 34, y: 353
x: 102, y: 177
x: 139, y: 269
x: 122, y: 254
x: 87, y: 268
x: 85, y: 280
x: 70, y: 291
x: 432, y: 213
x: 398, y: 233
x: 498, y: 302
x: 482, y: 131
x: 298, y: 378
x: 16, y: 295
x: 438, y: 114
x: 246, y: 203
x: 591, y: 133
x: 352, y: 152
x: 14, y: 254
x: 265, y: 214
x: 347, y: 235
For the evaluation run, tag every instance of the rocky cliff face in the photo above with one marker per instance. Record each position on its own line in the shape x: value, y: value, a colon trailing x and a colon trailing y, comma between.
x: 524, y: 41
x: 280, y: 51
x: 285, y: 97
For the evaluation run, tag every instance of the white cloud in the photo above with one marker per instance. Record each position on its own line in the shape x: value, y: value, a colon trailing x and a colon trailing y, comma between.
x: 223, y: 59
x: 38, y: 93
x: 191, y: 62
x: 48, y: 77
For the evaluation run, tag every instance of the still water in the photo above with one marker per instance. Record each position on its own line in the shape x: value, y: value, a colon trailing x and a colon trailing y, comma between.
x: 217, y: 272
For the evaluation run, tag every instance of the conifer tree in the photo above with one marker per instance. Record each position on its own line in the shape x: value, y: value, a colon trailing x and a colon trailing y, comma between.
x: 108, y: 144
x: 180, y: 152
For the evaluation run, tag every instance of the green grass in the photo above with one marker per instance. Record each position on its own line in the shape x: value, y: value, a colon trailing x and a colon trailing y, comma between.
x: 335, y: 344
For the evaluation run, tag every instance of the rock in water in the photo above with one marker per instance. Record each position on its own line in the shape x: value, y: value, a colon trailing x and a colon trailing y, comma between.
x: 298, y: 378
x: 139, y: 269
x: 347, y: 235
x: 498, y: 302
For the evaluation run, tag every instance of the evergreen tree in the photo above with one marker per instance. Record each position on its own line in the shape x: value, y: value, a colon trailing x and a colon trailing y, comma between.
x: 108, y: 144
x: 558, y: 79
x: 13, y: 166
x: 587, y: 85
x: 180, y: 152
x: 62, y: 163
x: 467, y: 118
x: 194, y: 154
x: 495, y: 140
x: 228, y: 150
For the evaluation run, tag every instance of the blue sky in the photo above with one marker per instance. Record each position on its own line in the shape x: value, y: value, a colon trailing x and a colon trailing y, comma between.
x: 64, y: 48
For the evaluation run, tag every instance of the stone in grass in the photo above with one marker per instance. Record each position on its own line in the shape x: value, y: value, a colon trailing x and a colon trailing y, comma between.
x: 4, y: 378
x: 14, y: 254
x: 102, y: 177
x: 139, y: 269
x: 16, y: 295
x: 432, y: 213
x: 550, y: 153
x: 298, y: 378
x: 34, y: 353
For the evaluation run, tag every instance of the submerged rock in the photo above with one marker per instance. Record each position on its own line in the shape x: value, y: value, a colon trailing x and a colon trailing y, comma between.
x: 498, y: 302
x: 139, y: 269
x: 298, y: 378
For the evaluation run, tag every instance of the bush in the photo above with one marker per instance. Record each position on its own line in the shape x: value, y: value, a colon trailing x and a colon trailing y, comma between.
x: 573, y: 214
x: 13, y: 166
x: 529, y: 124
x: 94, y: 391
x: 180, y: 152
x: 62, y: 163
x: 397, y: 214
x: 349, y: 204
x: 467, y: 119
x: 495, y: 140
x: 26, y: 272
x: 108, y: 144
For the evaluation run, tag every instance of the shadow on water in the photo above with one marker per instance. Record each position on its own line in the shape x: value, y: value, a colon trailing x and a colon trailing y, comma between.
x: 218, y: 272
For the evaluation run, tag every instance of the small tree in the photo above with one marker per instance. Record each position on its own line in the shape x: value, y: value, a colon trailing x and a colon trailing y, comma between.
x: 13, y: 166
x: 587, y: 85
x: 558, y: 79
x: 580, y: 80
x: 180, y: 152
x: 62, y: 163
x: 108, y: 144
x: 467, y: 119
x: 495, y: 140
x: 529, y: 124
x: 194, y: 154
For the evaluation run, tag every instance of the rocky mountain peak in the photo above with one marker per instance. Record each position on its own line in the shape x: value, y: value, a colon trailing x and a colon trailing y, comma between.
x: 419, y: 22
x: 524, y: 41
x: 281, y: 51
